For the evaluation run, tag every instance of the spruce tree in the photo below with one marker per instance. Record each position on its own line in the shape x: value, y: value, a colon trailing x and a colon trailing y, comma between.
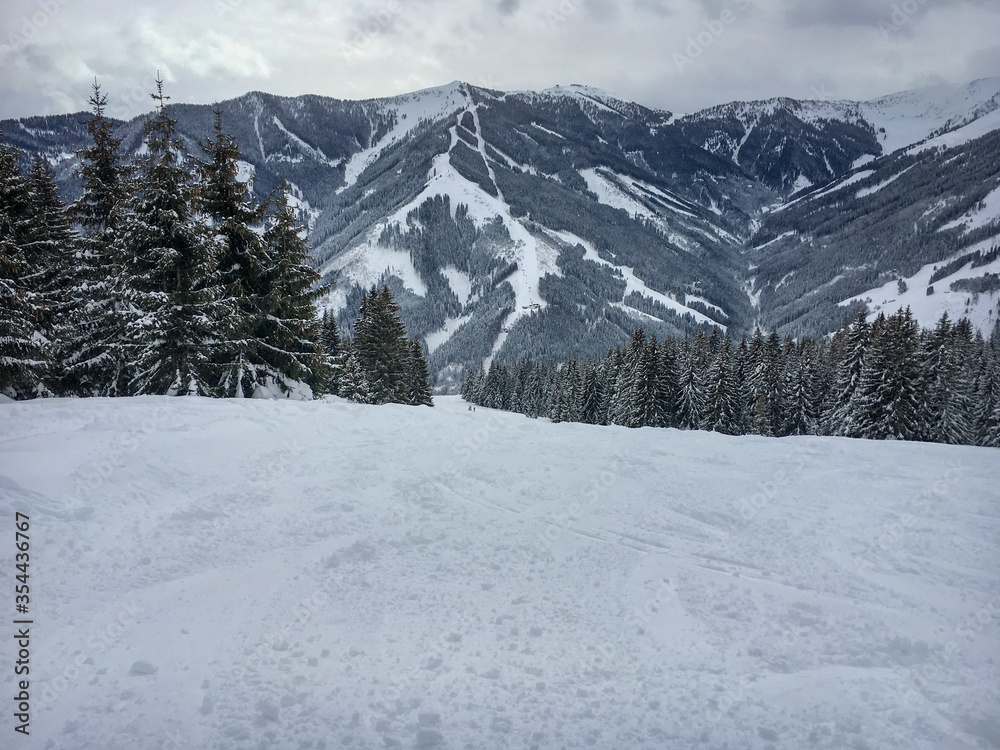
x: 244, y: 364
x: 721, y: 410
x: 690, y: 391
x: 472, y: 385
x: 801, y: 392
x: 887, y: 401
x: 626, y: 403
x: 987, y: 391
x: 52, y: 253
x: 593, y: 394
x: 650, y: 409
x: 169, y: 259
x: 288, y: 350
x: 843, y: 412
x: 667, y: 393
x: 93, y: 351
x: 958, y: 420
x: 22, y: 361
x: 382, y: 348
x: 329, y: 337
x: 755, y: 394
x: 353, y: 383
x: 421, y: 393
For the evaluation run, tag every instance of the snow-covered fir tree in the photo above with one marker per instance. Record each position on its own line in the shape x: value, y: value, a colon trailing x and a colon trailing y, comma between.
x: 176, y: 315
x: 54, y: 279
x: 721, y: 402
x: 288, y: 351
x: 353, y: 383
x: 237, y: 218
x: 93, y: 352
x: 22, y: 360
x: 865, y: 383
x: 419, y: 377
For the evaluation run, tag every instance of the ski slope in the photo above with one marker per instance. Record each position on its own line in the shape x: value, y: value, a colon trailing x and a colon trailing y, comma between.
x: 255, y: 574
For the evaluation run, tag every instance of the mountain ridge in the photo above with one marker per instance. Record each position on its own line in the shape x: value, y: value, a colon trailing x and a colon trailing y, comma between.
x: 550, y: 223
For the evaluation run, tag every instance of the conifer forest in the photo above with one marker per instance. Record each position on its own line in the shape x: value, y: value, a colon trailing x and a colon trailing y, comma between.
x: 168, y: 277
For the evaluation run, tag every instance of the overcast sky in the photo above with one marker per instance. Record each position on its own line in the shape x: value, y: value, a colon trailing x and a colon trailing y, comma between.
x: 679, y: 55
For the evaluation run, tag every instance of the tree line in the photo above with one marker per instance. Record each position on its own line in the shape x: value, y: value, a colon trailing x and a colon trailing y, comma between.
x: 167, y: 276
x: 885, y: 379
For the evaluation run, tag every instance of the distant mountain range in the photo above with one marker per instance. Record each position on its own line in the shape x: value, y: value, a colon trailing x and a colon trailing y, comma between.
x: 551, y: 223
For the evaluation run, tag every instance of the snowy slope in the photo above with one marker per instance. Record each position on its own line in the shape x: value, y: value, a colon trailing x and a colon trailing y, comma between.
x: 247, y: 574
x: 899, y: 120
x: 982, y: 310
x: 911, y: 116
x: 410, y: 111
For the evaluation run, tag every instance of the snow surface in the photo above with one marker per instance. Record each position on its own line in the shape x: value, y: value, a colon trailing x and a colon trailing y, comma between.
x: 980, y: 216
x: 366, y: 264
x: 801, y: 183
x: 912, y: 116
x: 247, y: 574
x: 460, y: 283
x: 900, y: 120
x: 410, y: 111
x: 837, y: 185
x: 982, y: 310
x: 885, y: 183
x: 434, y: 339
x: 611, y: 194
x: 960, y: 136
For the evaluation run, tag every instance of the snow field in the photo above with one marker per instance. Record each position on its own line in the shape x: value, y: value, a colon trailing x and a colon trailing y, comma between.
x: 981, y: 309
x: 244, y: 574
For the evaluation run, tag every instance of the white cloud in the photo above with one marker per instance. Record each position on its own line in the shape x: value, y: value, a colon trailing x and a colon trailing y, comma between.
x: 748, y: 48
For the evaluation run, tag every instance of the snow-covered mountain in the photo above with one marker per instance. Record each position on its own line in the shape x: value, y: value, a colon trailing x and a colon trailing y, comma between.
x: 551, y: 223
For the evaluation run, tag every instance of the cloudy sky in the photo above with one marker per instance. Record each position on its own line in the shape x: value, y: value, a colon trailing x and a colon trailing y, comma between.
x: 675, y: 54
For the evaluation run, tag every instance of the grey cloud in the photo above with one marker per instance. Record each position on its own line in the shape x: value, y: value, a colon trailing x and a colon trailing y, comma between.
x: 773, y: 47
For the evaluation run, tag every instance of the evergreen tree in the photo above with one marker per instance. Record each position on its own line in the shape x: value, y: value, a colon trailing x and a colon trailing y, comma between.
x: 740, y: 369
x: 52, y: 253
x: 987, y: 392
x: 93, y: 351
x: 329, y: 337
x: 493, y: 387
x: 957, y: 425
x: 245, y: 358
x: 887, y: 397
x: 801, y: 392
x: 593, y: 394
x: 666, y: 392
x: 626, y: 404
x: 869, y: 377
x: 287, y: 350
x: 648, y: 408
x: 169, y: 260
x: 383, y: 350
x: 472, y: 385
x: 353, y: 383
x: 691, y: 395
x: 22, y: 361
x: 756, y: 395
x: 842, y: 415
x: 721, y: 411
x: 421, y: 393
